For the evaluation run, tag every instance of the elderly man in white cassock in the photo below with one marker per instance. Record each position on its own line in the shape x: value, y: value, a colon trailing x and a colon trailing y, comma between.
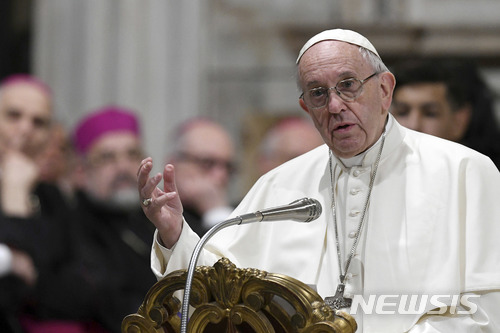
x: 407, y: 241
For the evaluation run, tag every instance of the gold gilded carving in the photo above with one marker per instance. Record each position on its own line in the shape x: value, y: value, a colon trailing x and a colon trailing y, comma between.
x: 225, y: 298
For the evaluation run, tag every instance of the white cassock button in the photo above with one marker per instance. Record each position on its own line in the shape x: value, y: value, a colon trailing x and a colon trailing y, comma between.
x: 352, y: 234
x: 353, y: 213
x: 356, y: 173
x: 354, y: 191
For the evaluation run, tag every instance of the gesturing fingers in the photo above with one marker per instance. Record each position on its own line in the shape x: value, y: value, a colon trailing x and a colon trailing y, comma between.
x: 169, y: 179
x: 150, y: 190
x: 143, y: 172
x: 147, y: 187
x: 162, y: 207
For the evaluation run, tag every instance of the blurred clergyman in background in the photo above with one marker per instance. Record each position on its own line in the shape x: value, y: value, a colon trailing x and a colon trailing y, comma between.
x: 203, y: 155
x: 286, y: 139
x: 25, y: 214
x: 112, y: 235
x: 97, y: 268
x: 449, y: 99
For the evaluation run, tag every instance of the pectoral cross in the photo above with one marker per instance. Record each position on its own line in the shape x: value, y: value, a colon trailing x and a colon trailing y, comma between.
x: 338, y: 301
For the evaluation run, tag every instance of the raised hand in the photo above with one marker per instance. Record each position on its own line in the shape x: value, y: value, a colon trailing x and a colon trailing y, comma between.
x: 162, y: 207
x: 19, y: 177
x: 22, y: 266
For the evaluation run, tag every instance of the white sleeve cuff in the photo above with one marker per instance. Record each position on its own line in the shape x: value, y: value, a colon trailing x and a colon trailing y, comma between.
x: 5, y: 260
x: 161, y: 257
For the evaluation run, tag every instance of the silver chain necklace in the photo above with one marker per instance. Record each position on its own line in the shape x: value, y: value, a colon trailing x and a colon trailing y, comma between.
x: 338, y: 301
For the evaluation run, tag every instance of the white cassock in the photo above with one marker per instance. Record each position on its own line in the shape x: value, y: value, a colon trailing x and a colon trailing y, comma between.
x: 431, y: 233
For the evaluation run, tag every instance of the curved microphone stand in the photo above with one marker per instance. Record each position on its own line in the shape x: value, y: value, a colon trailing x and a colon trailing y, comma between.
x: 302, y: 210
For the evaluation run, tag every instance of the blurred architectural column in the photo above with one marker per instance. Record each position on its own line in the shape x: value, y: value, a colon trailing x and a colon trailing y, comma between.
x: 141, y: 54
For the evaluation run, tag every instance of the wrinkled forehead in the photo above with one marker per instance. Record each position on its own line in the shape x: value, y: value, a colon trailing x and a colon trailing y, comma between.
x: 26, y: 87
x: 26, y: 98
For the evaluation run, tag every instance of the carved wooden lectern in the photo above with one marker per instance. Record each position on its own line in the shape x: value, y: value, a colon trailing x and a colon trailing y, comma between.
x: 225, y: 298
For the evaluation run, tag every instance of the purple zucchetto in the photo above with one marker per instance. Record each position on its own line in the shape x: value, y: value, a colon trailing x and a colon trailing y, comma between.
x: 103, y: 121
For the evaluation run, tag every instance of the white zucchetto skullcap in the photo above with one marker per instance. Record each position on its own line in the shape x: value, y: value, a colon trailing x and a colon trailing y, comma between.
x: 342, y: 35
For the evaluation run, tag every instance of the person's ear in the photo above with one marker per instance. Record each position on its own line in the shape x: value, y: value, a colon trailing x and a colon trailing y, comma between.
x: 461, y: 120
x: 303, y: 105
x: 387, y: 84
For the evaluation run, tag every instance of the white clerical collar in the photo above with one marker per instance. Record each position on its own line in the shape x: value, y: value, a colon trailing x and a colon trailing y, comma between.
x: 358, y: 159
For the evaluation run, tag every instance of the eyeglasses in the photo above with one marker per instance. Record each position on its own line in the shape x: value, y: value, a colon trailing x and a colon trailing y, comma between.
x: 207, y: 163
x: 348, y: 89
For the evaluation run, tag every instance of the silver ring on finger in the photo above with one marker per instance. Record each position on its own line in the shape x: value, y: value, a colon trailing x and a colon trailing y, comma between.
x: 146, y: 202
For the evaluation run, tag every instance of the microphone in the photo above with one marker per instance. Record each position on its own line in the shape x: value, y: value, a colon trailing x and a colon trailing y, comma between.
x: 301, y: 210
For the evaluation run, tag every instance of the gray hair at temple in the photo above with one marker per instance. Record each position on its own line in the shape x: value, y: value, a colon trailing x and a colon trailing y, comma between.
x: 366, y: 48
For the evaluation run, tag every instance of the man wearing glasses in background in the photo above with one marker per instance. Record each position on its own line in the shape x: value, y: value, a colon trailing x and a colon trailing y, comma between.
x: 203, y: 153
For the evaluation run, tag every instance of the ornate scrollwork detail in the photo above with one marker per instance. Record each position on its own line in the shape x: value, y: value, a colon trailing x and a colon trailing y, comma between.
x: 230, y: 299
x: 225, y: 281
